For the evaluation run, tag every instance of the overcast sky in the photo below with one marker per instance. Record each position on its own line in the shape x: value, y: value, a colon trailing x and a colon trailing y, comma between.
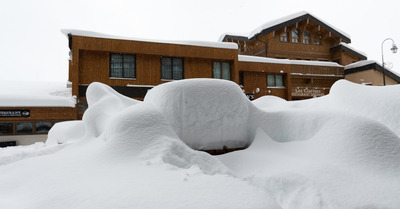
x: 33, y: 48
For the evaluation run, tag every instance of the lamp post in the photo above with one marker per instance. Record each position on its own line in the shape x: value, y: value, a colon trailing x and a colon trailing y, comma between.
x: 394, y: 50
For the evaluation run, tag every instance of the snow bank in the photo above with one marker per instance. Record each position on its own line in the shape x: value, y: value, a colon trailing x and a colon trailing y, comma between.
x: 35, y: 94
x: 205, y: 113
x: 336, y: 151
x: 104, y: 103
x: 63, y: 132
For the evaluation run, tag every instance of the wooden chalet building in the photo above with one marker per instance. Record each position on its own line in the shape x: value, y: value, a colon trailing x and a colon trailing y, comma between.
x: 303, y: 57
x: 295, y: 57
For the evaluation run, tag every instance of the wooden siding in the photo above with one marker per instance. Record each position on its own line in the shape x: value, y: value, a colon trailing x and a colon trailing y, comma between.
x: 269, y: 45
x: 43, y: 113
x: 90, y: 60
x: 373, y: 77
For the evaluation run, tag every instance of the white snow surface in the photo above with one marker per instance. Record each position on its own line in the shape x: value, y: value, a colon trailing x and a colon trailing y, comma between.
x: 195, y: 105
x: 359, y: 64
x: 222, y: 45
x: 35, y: 94
x: 337, y: 151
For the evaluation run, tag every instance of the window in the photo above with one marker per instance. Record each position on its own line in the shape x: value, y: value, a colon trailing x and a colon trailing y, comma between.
x: 122, y: 66
x: 275, y: 81
x: 24, y: 128
x: 316, y: 41
x: 284, y: 37
x: 6, y: 128
x: 43, y: 127
x: 171, y: 68
x: 306, y: 38
x: 295, y: 36
x: 222, y: 70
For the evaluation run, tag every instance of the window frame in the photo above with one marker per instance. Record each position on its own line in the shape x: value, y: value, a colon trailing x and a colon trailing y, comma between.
x: 221, y: 69
x: 306, y: 39
x: 284, y: 37
x: 24, y: 133
x: 295, y: 39
x: 34, y: 127
x: 12, y: 128
x: 316, y: 40
x: 275, y: 81
x: 172, y: 68
x: 123, y: 65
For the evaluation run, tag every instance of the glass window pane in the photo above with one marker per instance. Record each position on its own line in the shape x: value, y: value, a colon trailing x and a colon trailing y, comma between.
x: 116, y: 65
x: 6, y: 128
x: 166, y: 68
x: 24, y: 128
x: 129, y: 66
x: 295, y: 36
x: 271, y: 80
x: 279, y: 80
x: 177, y: 68
x: 295, y: 33
x: 217, y: 70
x: 43, y: 127
x: 284, y: 37
x: 226, y: 71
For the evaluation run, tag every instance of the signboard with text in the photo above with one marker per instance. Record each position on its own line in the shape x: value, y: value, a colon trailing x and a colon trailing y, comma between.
x: 304, y: 92
x: 14, y: 113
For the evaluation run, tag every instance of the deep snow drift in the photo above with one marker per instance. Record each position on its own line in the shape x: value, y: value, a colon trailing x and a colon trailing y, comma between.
x: 337, y: 151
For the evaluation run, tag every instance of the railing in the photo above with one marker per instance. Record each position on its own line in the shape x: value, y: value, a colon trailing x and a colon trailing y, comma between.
x: 317, y: 71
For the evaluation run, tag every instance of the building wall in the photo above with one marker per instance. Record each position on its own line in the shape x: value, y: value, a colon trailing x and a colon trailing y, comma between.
x: 372, y: 77
x: 255, y: 79
x: 90, y: 60
x: 347, y: 58
x: 91, y: 63
x: 50, y: 115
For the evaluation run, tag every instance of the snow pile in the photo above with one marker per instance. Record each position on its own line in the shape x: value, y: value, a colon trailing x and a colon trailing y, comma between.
x: 195, y: 105
x: 329, y: 152
x: 35, y: 94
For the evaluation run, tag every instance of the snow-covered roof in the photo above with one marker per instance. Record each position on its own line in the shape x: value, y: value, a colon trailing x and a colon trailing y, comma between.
x: 223, y: 45
x: 368, y: 65
x: 35, y: 94
x: 246, y: 58
x: 346, y: 47
x: 359, y: 64
x: 283, y: 22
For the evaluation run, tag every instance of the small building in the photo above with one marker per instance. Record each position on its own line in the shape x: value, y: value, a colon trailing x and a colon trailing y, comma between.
x: 28, y: 111
x: 369, y: 72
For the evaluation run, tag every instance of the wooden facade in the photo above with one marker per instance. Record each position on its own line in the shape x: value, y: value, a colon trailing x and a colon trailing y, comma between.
x: 321, y: 50
x: 90, y: 62
x: 27, y: 125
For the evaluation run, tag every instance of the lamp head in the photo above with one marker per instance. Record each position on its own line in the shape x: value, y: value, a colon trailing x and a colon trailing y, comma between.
x: 394, y: 48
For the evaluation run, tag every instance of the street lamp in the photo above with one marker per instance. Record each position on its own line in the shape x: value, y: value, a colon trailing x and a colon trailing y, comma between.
x: 394, y: 50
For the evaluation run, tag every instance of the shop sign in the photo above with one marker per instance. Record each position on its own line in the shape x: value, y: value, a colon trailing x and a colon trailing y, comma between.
x: 14, y: 113
x: 250, y: 96
x: 307, y: 92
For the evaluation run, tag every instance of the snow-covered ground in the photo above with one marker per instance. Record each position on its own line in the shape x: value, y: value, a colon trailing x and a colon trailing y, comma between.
x: 337, y: 151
